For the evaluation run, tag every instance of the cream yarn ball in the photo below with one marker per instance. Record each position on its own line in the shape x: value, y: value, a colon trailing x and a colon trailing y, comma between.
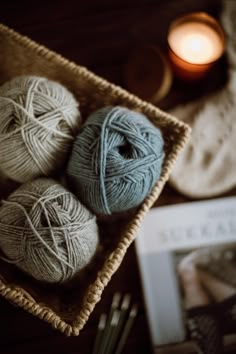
x: 46, y: 232
x: 38, y: 121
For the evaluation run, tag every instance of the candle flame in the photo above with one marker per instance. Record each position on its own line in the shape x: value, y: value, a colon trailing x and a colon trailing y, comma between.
x: 196, y: 43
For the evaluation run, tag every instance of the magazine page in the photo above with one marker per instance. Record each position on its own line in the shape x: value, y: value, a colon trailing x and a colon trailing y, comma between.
x: 187, y: 256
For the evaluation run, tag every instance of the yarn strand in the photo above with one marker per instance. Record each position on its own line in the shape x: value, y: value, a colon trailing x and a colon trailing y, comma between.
x: 35, y: 231
x: 46, y: 231
x: 116, y: 160
x: 39, y: 121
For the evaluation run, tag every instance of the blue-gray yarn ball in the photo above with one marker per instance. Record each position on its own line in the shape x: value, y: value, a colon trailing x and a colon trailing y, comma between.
x: 116, y: 160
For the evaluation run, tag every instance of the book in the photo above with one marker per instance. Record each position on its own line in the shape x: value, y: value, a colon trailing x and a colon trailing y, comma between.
x: 167, y: 235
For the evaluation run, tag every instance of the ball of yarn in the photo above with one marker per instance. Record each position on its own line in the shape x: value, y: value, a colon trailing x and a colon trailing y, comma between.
x: 46, y: 231
x: 116, y: 160
x: 38, y: 121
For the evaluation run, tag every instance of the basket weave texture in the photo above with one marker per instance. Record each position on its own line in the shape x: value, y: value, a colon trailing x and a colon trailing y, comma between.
x: 68, y: 309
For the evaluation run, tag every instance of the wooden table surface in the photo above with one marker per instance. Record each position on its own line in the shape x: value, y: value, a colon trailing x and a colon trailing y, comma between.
x: 99, y: 35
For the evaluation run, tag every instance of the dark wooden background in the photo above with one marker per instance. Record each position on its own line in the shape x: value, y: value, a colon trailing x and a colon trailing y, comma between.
x: 99, y: 35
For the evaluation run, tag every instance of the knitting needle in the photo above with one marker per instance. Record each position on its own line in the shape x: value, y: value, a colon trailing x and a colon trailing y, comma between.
x: 128, y: 326
x: 101, y: 327
x: 105, y: 337
x: 124, y: 308
x: 111, y: 330
x: 115, y: 303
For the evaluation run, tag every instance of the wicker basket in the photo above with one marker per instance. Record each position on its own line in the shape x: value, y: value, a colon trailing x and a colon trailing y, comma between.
x: 68, y: 308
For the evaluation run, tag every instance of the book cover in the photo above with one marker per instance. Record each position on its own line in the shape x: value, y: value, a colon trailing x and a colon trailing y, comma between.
x: 170, y: 234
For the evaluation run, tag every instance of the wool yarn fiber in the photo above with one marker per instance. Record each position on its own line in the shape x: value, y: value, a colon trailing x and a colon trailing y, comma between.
x: 38, y: 121
x: 46, y: 232
x: 116, y: 160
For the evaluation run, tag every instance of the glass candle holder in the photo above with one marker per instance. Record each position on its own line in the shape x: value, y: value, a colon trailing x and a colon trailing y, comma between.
x: 195, y: 42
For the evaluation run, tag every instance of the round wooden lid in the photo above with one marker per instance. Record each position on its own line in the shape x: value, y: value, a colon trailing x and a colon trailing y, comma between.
x: 147, y: 74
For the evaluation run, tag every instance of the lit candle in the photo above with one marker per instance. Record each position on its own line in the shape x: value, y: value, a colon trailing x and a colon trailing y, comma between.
x: 195, y: 41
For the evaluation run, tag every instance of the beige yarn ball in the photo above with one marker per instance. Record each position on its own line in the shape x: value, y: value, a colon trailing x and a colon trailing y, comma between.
x: 39, y: 119
x: 46, y: 231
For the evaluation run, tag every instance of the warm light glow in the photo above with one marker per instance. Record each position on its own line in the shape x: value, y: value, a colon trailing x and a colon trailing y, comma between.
x: 196, y: 43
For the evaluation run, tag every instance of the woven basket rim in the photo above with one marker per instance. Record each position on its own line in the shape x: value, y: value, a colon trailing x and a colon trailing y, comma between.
x: 20, y: 296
